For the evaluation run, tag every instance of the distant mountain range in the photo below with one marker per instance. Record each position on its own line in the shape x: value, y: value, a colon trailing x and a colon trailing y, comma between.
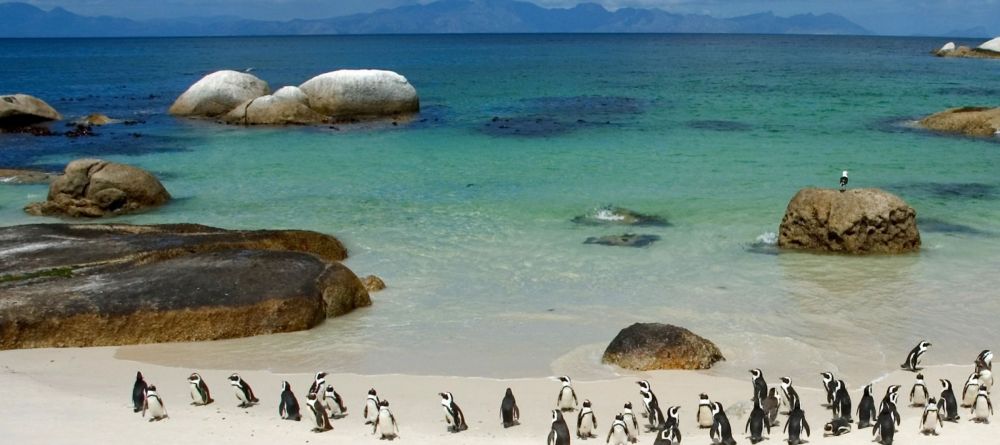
x: 444, y: 16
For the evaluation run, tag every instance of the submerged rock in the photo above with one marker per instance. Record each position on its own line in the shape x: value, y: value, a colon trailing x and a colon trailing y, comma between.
x: 218, y: 93
x: 373, y: 283
x: 14, y: 176
x: 857, y: 221
x: 22, y: 110
x: 969, y: 121
x: 273, y: 110
x: 361, y: 93
x: 96, y: 119
x: 94, y: 188
x: 652, y: 346
x: 90, y: 285
x: 621, y: 216
x: 626, y: 240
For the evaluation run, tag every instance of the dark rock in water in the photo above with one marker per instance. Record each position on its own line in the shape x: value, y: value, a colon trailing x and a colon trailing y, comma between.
x: 95, y: 188
x: 582, y: 106
x: 611, y: 215
x: 373, y: 283
x: 555, y: 116
x: 652, y: 346
x: 527, y: 126
x: 935, y: 225
x: 89, y: 285
x: 719, y: 125
x: 626, y: 240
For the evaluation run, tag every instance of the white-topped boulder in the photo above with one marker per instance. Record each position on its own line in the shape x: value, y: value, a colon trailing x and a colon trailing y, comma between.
x: 950, y: 46
x: 361, y: 93
x: 292, y: 92
x: 992, y: 45
x: 273, y: 110
x: 218, y: 93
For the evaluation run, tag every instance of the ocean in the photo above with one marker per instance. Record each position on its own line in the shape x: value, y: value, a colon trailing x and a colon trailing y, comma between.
x: 466, y: 210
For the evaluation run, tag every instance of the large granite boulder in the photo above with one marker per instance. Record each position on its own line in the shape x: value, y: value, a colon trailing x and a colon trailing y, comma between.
x: 95, y: 188
x: 89, y: 285
x: 361, y: 93
x: 22, y: 110
x: 273, y: 110
x: 651, y: 346
x: 218, y: 93
x: 857, y: 221
x: 969, y: 121
x: 991, y: 45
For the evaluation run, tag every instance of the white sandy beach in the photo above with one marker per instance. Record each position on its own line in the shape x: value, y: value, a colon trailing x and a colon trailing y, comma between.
x: 82, y: 396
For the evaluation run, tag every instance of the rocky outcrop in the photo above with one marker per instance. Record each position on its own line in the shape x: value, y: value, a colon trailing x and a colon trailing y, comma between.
x: 273, y: 110
x: 95, y: 188
x: 14, y: 176
x: 856, y: 221
x: 373, y: 283
x: 992, y: 45
x: 218, y: 93
x: 626, y: 240
x: 293, y: 93
x: 22, y: 110
x: 652, y: 346
x: 988, y: 50
x: 612, y: 215
x: 969, y: 121
x: 89, y: 285
x: 361, y: 93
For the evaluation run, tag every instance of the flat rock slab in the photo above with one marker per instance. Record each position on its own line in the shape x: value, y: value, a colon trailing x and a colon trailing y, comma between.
x: 89, y: 285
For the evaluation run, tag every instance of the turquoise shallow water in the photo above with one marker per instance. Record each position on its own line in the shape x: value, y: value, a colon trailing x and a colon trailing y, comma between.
x: 469, y: 223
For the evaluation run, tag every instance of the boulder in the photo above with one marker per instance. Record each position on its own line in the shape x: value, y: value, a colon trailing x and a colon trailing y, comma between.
x: 361, y: 93
x: 294, y: 93
x: 992, y: 45
x: 96, y: 119
x: 626, y: 240
x: 22, y: 110
x: 92, y: 285
x: 373, y: 283
x: 14, y: 176
x: 611, y: 215
x: 950, y: 50
x: 94, y: 188
x: 218, y: 93
x: 652, y: 346
x: 969, y: 121
x: 856, y: 221
x: 273, y: 110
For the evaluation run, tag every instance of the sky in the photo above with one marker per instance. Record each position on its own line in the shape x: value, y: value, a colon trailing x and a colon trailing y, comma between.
x: 894, y: 17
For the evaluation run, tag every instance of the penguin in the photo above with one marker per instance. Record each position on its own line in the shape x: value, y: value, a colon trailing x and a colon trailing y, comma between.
x: 913, y: 358
x: 566, y: 399
x: 320, y: 418
x: 199, y: 390
x: 721, y: 432
x: 628, y: 416
x: 138, y: 392
x: 757, y: 423
x: 970, y: 391
x: 653, y: 412
x: 618, y: 434
x: 985, y: 377
x: 796, y: 424
x: 154, y: 404
x: 668, y: 436
x: 889, y: 401
x: 985, y: 360
x: 243, y: 391
x: 866, y: 408
x: 788, y: 393
x: 918, y: 393
x: 836, y: 427
x: 843, y: 181
x: 288, y: 407
x: 829, y: 384
x: 385, y: 423
x: 333, y: 403
x: 982, y: 408
x: 371, y: 407
x: 931, y: 422
x: 759, y: 384
x: 771, y: 406
x: 885, y: 426
x: 509, y: 414
x: 559, y: 433
x: 948, y: 404
x: 704, y: 415
x: 586, y: 422
x: 673, y: 417
x: 456, y: 420
x: 318, y: 382
x: 842, y: 402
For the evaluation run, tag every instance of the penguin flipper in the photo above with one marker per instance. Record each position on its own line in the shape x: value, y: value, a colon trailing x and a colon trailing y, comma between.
x: 750, y: 418
x: 805, y: 425
x: 573, y: 391
x: 517, y: 413
x: 579, y: 420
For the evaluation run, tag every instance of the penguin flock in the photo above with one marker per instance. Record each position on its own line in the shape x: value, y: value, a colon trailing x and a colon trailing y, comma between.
x: 769, y: 402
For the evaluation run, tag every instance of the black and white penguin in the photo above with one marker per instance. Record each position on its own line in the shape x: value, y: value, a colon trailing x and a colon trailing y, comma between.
x: 982, y: 408
x: 885, y: 426
x: 947, y: 404
x: 721, y: 432
x: 788, y: 393
x: 371, y: 407
x: 619, y: 433
x: 559, y: 433
x: 931, y: 422
x: 672, y: 423
x: 321, y: 420
x: 843, y: 181
x: 867, y: 415
x: 985, y: 376
x: 837, y: 427
x: 771, y: 406
x: 586, y: 422
x: 759, y: 384
x: 757, y: 423
x: 628, y: 416
x: 890, y: 400
x: 243, y: 391
x: 333, y: 403
x: 509, y: 414
x: 456, y: 419
x: 970, y: 390
x: 138, y: 392
x: 985, y: 359
x: 912, y: 362
x: 199, y: 390
x: 318, y: 382
x: 829, y: 384
x: 796, y: 425
x: 704, y: 415
x: 842, y: 402
x: 154, y: 405
x: 288, y: 407
x: 668, y: 436
x: 385, y: 424
x: 653, y: 412
x: 566, y: 399
x: 918, y: 393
